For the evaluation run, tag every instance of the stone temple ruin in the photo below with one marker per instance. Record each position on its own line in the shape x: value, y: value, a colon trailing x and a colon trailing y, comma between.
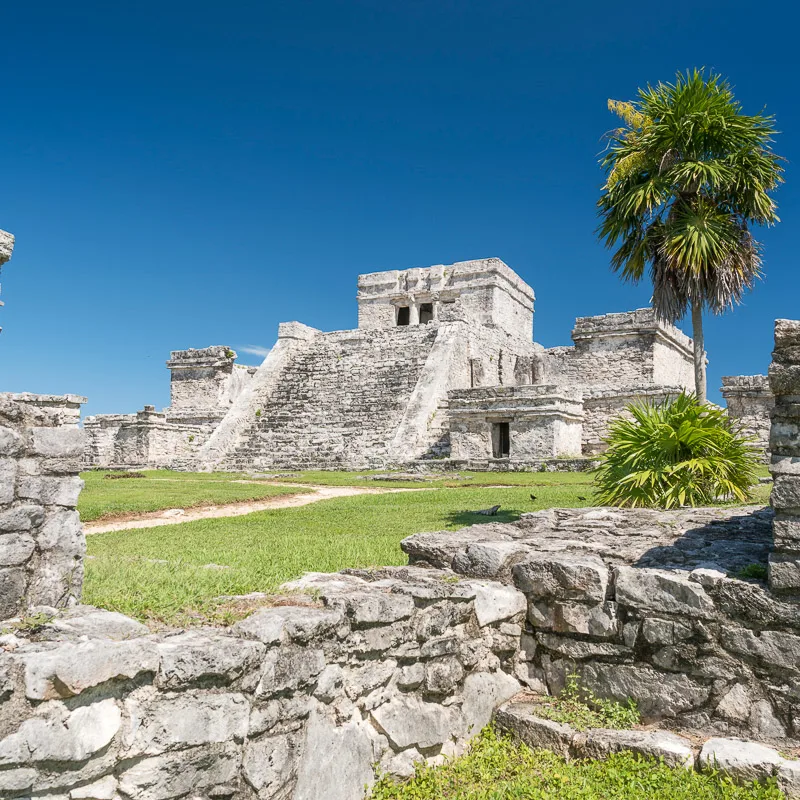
x: 443, y: 365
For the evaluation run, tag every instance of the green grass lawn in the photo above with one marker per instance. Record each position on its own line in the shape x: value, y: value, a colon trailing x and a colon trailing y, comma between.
x: 175, y: 573
x: 497, y: 768
x: 162, y: 573
x: 102, y: 498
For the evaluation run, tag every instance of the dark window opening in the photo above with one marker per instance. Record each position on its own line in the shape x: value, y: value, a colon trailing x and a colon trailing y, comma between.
x: 403, y: 315
x: 425, y: 313
x: 501, y: 440
x: 500, y: 368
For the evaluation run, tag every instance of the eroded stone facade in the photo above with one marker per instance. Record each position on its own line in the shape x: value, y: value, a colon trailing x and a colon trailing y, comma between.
x: 41, y: 539
x: 396, y: 390
x: 750, y: 401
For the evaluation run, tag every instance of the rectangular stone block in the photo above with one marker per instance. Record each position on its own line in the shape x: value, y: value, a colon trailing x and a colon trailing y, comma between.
x: 11, y: 442
x: 15, y: 549
x: 787, y: 333
x: 8, y: 474
x: 784, y: 379
x: 57, y: 442
x: 661, y: 591
x: 562, y: 576
x: 12, y: 591
x: 785, y: 465
x: 21, y: 518
x: 786, y: 532
x: 784, y: 437
x: 784, y: 576
x: 786, y: 491
x: 50, y: 490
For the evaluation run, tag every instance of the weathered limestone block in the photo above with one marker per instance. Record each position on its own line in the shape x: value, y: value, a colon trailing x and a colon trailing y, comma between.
x: 674, y: 750
x: 59, y: 735
x: 742, y: 761
x: 661, y: 591
x: 209, y: 769
x: 345, y: 751
x: 657, y: 694
x: 196, y: 658
x: 289, y: 667
x: 270, y: 764
x: 483, y: 692
x: 776, y: 649
x: 287, y: 623
x: 407, y: 720
x: 562, y: 576
x: 521, y: 720
x: 494, y: 603
x: 67, y: 669
x: 158, y: 723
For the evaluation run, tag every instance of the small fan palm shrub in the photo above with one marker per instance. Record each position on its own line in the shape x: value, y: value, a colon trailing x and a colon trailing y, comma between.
x: 675, y: 453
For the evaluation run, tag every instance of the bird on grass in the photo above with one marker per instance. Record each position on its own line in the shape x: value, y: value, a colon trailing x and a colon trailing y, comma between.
x: 533, y: 497
x: 581, y: 498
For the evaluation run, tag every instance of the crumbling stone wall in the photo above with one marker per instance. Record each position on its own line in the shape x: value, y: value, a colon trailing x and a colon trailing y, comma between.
x: 784, y: 444
x: 750, y: 402
x: 645, y: 604
x: 395, y: 666
x: 41, y: 539
x: 204, y: 386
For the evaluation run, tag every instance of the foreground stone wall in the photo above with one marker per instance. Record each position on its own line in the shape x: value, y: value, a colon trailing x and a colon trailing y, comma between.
x: 394, y: 666
x: 784, y: 444
x: 645, y: 604
x: 750, y: 402
x: 41, y: 539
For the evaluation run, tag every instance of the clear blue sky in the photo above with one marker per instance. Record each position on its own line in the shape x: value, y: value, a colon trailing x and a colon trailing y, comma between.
x: 180, y: 174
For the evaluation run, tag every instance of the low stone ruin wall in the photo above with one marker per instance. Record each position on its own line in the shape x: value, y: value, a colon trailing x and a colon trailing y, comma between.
x: 750, y: 401
x: 293, y: 702
x: 41, y: 540
x: 644, y: 604
x: 784, y: 377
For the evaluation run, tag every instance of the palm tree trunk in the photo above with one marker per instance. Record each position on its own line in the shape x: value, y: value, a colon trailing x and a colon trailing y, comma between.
x: 699, y: 351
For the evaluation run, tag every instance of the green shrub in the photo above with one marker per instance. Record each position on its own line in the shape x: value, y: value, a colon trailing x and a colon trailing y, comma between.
x: 757, y: 571
x: 579, y: 707
x: 499, y: 768
x: 675, y: 453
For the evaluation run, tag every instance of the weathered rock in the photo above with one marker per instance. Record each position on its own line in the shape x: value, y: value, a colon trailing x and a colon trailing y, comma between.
x: 674, y: 750
x: 443, y: 675
x: 270, y: 764
x: 578, y: 650
x: 93, y: 623
x: 104, y: 789
x: 406, y: 720
x: 483, y: 692
x: 742, y: 761
x: 67, y: 669
x: 59, y: 735
x: 487, y: 559
x: 521, y: 720
x: 344, y: 751
x: 775, y: 648
x: 375, y: 608
x: 299, y: 624
x: 158, y: 723
x: 200, y: 658
x: 211, y: 769
x: 736, y: 705
x: 599, y: 621
x: 289, y: 667
x: 657, y: 694
x: 661, y: 591
x: 562, y: 576
x: 495, y: 602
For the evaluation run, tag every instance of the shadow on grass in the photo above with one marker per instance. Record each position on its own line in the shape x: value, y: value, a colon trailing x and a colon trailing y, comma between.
x: 466, y: 518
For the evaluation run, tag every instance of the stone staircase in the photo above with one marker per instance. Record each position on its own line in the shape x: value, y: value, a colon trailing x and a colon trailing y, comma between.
x: 337, y: 403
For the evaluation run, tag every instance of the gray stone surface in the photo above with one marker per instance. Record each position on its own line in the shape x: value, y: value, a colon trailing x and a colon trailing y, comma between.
x: 41, y: 541
x: 674, y: 750
x: 743, y: 761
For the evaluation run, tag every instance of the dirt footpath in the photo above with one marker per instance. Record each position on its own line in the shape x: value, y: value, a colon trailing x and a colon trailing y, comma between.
x: 175, y: 516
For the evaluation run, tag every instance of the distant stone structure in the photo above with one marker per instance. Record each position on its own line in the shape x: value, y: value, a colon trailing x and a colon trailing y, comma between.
x: 442, y: 366
x: 205, y: 384
x: 750, y: 402
x: 784, y: 444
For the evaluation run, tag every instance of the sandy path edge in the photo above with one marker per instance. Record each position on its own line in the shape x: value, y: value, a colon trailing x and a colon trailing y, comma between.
x: 155, y: 519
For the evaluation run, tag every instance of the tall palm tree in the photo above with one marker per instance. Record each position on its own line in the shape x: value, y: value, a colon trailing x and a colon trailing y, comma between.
x: 687, y: 175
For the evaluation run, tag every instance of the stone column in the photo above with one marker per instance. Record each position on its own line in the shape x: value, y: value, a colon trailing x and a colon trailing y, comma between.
x: 41, y: 538
x: 784, y: 444
x: 413, y: 312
